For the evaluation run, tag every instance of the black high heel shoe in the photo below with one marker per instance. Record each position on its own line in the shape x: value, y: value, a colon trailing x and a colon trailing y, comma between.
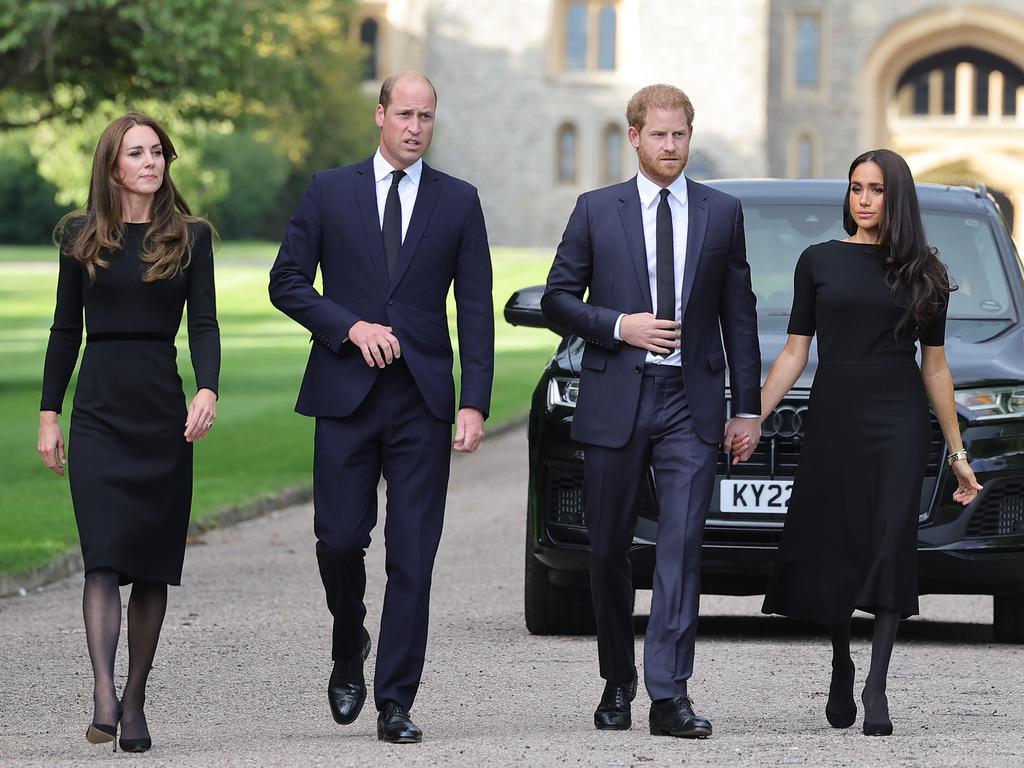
x: 98, y: 733
x: 143, y: 744
x: 841, y: 709
x: 883, y: 725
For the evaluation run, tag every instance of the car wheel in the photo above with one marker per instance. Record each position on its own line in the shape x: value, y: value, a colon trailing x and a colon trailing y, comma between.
x: 1008, y: 619
x: 553, y: 609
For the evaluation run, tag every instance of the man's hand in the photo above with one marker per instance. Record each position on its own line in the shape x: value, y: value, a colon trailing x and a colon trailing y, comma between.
x: 646, y: 331
x: 378, y: 345
x: 741, y: 436
x: 469, y: 430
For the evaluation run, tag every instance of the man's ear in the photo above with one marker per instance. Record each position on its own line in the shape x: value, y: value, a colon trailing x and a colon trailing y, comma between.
x: 379, y: 116
x: 634, y: 137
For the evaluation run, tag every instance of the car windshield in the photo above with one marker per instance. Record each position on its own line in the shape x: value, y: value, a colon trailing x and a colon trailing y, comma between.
x: 777, y: 234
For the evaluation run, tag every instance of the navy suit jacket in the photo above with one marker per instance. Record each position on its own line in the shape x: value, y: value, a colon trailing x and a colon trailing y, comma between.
x: 336, y: 227
x: 603, y: 251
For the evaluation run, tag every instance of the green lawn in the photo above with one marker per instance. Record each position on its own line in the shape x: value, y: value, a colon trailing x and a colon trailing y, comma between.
x: 260, y: 444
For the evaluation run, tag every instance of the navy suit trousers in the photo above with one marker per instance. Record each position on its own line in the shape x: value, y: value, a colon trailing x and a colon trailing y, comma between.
x: 392, y: 433
x: 663, y: 439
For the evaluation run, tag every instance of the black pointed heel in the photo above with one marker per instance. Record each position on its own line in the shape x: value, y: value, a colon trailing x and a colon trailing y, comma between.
x: 98, y: 733
x: 136, y: 745
x: 841, y: 692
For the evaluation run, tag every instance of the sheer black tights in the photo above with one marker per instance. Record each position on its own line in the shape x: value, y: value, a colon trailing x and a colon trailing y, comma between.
x: 101, y: 606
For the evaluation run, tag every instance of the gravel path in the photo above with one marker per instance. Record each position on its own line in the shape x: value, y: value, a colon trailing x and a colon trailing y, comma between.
x: 243, y: 663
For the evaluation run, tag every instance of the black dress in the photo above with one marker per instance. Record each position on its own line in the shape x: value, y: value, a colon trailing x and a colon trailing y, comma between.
x: 129, y: 465
x: 850, y: 538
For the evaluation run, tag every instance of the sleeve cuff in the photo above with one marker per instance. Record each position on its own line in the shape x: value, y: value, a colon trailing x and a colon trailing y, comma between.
x: 618, y: 324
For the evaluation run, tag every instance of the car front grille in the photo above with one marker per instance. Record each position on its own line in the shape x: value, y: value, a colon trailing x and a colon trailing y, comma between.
x: 1001, y: 512
x: 565, y: 493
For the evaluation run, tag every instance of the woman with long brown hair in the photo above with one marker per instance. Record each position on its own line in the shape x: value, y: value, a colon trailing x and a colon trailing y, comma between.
x: 130, y: 261
x: 850, y: 538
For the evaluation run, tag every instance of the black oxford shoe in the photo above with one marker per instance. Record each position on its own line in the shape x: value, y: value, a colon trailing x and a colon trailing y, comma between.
x: 613, y: 712
x: 346, y: 690
x: 395, y: 727
x: 675, y: 717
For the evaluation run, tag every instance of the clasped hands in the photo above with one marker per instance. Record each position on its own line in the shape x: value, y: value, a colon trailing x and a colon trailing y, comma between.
x: 380, y: 348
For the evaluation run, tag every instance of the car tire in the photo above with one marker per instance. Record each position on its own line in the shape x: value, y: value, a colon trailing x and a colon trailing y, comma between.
x: 552, y: 609
x: 1008, y: 619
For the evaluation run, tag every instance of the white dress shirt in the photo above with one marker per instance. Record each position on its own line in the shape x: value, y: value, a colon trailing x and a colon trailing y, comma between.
x: 677, y: 204
x: 407, y: 188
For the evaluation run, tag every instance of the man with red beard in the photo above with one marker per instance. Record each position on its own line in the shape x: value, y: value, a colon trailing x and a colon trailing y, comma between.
x: 669, y: 304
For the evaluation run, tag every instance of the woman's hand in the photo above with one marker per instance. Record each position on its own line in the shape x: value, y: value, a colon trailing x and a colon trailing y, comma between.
x: 967, y: 484
x: 202, y: 413
x: 51, y: 442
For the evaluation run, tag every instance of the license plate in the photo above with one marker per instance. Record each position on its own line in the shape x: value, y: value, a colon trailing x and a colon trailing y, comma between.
x: 755, y: 495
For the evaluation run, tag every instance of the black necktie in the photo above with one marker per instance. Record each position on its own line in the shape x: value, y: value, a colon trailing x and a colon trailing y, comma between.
x: 392, y: 227
x: 666, y: 280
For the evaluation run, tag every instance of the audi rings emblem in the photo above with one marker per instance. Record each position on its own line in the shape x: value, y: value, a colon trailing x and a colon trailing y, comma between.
x: 785, y: 421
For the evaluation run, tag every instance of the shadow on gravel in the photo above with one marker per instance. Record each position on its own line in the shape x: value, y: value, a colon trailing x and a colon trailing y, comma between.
x: 775, y: 627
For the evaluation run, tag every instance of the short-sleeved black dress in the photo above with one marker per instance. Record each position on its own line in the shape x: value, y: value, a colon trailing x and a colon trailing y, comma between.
x: 129, y: 465
x: 850, y: 538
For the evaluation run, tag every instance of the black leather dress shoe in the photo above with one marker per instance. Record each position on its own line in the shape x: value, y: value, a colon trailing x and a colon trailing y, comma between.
x: 395, y: 726
x: 613, y: 713
x: 675, y: 717
x: 346, y: 690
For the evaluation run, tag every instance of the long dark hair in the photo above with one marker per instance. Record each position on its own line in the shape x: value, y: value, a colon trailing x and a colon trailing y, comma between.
x: 914, y: 274
x: 167, y: 245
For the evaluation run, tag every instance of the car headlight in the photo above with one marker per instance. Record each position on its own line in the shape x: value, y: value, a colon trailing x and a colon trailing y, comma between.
x: 563, y: 392
x: 991, y: 403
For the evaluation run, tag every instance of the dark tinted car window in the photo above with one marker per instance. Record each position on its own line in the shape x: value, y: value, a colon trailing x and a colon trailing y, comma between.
x: 778, y: 234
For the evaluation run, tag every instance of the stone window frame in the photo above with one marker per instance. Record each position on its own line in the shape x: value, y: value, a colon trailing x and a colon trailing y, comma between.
x: 376, y: 12
x: 611, y: 175
x: 792, y: 89
x: 559, y: 59
x: 567, y: 128
x: 804, y: 134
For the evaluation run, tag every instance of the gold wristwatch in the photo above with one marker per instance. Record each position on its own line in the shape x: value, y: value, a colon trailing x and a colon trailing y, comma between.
x: 956, y: 456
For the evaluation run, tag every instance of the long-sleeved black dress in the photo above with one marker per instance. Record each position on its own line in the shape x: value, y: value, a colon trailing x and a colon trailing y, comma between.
x: 850, y: 538
x: 129, y: 464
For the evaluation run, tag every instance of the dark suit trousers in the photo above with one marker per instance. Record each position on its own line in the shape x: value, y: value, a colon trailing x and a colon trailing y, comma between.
x: 393, y: 433
x: 663, y: 439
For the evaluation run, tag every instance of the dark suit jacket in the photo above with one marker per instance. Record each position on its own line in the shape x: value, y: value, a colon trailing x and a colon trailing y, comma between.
x: 603, y: 250
x: 336, y: 227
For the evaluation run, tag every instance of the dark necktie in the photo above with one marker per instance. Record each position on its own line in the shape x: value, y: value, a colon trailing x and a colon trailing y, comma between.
x: 666, y: 279
x: 392, y: 226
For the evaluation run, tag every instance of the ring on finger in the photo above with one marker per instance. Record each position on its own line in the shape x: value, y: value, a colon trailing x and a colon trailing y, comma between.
x: 208, y: 424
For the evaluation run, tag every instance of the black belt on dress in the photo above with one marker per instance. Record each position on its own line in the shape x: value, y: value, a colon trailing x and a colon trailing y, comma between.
x: 129, y: 336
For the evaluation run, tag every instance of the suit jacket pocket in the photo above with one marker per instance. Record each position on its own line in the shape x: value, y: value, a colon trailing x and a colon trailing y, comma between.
x: 594, y: 358
x: 716, y: 361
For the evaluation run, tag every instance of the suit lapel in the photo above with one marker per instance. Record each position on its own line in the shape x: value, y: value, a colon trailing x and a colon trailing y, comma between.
x: 426, y: 197
x: 697, y: 218
x: 633, y: 223
x: 366, y: 197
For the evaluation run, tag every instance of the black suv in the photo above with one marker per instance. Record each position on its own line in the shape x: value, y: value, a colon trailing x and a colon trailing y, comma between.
x: 978, y: 549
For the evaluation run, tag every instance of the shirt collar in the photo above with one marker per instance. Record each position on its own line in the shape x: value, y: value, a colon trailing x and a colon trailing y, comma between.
x: 649, y: 190
x: 381, y: 169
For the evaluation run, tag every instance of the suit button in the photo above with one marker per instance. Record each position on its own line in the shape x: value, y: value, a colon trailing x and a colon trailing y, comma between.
x: 390, y: 302
x: 638, y: 368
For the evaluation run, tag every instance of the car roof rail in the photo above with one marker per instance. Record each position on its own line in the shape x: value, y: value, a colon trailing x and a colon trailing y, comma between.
x: 980, y: 190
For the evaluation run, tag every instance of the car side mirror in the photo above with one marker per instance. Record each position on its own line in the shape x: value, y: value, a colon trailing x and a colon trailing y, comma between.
x: 523, y: 308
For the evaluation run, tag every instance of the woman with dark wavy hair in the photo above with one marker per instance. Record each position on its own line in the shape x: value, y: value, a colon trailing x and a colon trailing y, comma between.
x: 130, y: 261
x: 850, y: 538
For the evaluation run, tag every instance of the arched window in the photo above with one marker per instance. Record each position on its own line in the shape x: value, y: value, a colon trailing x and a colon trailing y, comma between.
x: 566, y: 153
x: 369, y: 36
x: 612, y: 160
x: 576, y: 36
x: 805, y: 157
x: 992, y: 84
x: 606, y: 37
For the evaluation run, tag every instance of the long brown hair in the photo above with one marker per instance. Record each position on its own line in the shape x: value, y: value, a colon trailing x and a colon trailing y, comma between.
x: 913, y: 272
x: 86, y: 235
